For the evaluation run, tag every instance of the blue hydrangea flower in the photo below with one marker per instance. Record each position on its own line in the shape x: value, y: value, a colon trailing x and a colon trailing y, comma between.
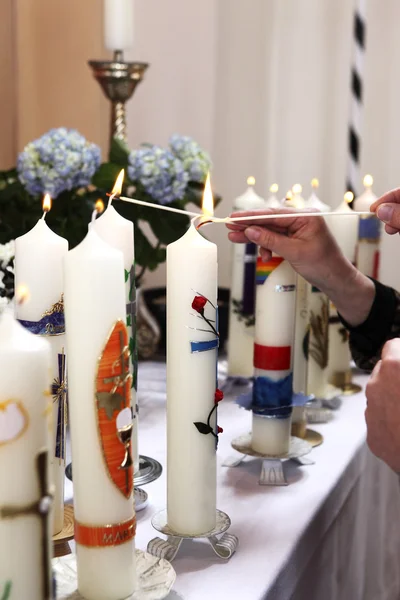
x: 60, y: 160
x: 160, y: 173
x: 196, y: 161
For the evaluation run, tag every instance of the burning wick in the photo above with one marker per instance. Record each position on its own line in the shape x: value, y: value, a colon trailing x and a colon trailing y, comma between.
x: 117, y: 189
x: 46, y: 204
x: 22, y: 294
x: 98, y: 209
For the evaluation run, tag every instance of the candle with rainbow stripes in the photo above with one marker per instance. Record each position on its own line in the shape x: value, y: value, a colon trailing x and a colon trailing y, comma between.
x: 274, y: 331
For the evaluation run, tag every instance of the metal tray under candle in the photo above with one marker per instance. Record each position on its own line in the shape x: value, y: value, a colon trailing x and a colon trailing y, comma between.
x: 149, y: 470
x: 156, y: 576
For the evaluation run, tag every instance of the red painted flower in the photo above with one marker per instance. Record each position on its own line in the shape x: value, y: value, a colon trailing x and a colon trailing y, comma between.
x: 199, y: 303
x: 219, y: 395
x: 220, y: 430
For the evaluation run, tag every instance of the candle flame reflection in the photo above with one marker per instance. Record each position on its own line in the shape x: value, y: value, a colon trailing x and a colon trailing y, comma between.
x: 208, y: 200
x: 22, y: 294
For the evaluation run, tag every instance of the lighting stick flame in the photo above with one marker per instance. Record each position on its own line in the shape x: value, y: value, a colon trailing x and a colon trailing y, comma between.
x: 98, y: 209
x: 117, y: 189
x: 46, y: 204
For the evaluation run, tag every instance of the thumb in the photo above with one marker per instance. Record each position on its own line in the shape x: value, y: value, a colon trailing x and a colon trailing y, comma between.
x: 270, y: 240
x: 389, y: 214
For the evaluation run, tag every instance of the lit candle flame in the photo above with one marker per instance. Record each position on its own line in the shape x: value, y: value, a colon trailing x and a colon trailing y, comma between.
x: 314, y: 183
x: 207, y: 205
x: 368, y: 181
x: 274, y: 188
x: 349, y: 197
x: 297, y: 188
x: 99, y: 206
x: 117, y: 189
x: 289, y: 195
x: 22, y: 294
x: 251, y: 180
x: 46, y: 204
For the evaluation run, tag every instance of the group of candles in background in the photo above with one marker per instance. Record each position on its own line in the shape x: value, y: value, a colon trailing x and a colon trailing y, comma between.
x: 292, y: 343
x: 96, y: 346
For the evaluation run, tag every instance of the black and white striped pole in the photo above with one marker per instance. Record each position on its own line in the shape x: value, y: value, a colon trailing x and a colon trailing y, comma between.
x: 357, y: 97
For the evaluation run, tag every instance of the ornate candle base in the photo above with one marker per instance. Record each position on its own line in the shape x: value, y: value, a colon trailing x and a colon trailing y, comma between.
x: 149, y: 470
x: 343, y: 380
x: 224, y: 547
x: 141, y: 499
x: 118, y: 80
x: 155, y: 577
x: 60, y: 540
x: 272, y: 472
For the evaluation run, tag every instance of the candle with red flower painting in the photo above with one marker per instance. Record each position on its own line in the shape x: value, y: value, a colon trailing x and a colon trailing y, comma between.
x: 273, y: 343
x: 192, y: 399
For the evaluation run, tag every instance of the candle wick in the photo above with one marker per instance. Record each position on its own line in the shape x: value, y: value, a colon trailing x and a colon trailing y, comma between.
x: 44, y: 215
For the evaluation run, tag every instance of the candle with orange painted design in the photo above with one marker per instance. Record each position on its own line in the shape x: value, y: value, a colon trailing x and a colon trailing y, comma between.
x: 274, y: 331
x: 101, y: 419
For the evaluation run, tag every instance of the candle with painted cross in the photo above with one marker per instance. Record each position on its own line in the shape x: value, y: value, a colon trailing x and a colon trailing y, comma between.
x: 38, y: 265
x: 192, y: 347
x: 369, y: 232
x: 99, y: 383
x: 241, y: 310
x: 273, y: 343
x: 25, y: 493
x: 118, y: 232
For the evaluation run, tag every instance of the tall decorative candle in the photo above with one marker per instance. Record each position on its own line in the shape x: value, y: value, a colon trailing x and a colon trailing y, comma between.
x: 300, y: 363
x: 99, y: 381
x: 118, y: 232
x: 369, y: 232
x: 192, y: 347
x: 25, y: 493
x: 118, y: 24
x: 241, y: 310
x: 345, y: 231
x: 273, y: 343
x: 38, y: 265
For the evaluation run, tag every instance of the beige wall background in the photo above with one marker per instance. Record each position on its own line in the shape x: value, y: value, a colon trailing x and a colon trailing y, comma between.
x: 262, y: 85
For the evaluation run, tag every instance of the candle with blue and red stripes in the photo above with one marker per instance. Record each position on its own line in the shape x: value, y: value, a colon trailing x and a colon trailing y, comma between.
x: 273, y: 349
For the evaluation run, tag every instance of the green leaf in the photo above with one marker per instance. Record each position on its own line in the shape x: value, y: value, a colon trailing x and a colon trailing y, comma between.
x: 119, y: 152
x: 106, y: 175
x: 202, y: 427
x: 126, y: 274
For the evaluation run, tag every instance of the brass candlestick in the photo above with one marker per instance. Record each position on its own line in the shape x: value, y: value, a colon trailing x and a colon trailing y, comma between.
x: 118, y: 80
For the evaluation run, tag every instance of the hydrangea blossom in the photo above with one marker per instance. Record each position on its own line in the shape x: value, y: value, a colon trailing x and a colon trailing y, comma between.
x: 60, y: 160
x: 160, y: 173
x: 196, y: 161
x: 7, y: 253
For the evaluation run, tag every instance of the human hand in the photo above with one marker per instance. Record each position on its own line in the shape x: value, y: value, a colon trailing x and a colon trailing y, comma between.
x: 309, y: 246
x: 387, y: 209
x: 383, y: 409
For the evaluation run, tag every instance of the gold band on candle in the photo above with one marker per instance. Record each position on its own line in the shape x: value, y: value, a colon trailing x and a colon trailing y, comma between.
x: 93, y: 536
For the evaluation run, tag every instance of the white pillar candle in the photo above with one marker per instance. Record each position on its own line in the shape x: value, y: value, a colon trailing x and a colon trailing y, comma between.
x: 345, y: 229
x: 39, y: 266
x: 273, y: 201
x: 369, y: 232
x: 118, y: 232
x: 192, y: 347
x: 273, y: 343
x: 118, y: 24
x: 300, y: 363
x: 313, y: 201
x: 25, y: 415
x: 241, y: 309
x: 318, y: 344
x: 99, y: 397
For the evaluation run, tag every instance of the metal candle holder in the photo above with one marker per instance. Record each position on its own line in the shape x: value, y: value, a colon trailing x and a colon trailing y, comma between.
x: 118, y: 80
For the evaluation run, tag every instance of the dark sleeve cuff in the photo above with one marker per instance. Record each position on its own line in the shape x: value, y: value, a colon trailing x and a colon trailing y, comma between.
x: 370, y: 336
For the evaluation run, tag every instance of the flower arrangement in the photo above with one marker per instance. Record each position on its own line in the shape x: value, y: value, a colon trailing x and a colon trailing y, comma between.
x: 7, y: 253
x: 68, y: 167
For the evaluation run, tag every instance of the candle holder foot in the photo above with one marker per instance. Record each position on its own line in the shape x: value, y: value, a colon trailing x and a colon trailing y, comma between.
x: 60, y: 540
x: 155, y: 577
x: 141, y: 499
x: 224, y: 546
x: 343, y: 380
x: 149, y: 470
x: 272, y: 472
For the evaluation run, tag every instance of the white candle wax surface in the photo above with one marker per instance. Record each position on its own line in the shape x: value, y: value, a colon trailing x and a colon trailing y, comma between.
x: 241, y: 331
x: 118, y: 232
x: 25, y: 362
x: 339, y: 350
x: 274, y: 329
x: 118, y: 24
x: 94, y: 303
x: 314, y: 202
x: 39, y: 258
x: 345, y: 230
x: 191, y: 384
x: 300, y: 366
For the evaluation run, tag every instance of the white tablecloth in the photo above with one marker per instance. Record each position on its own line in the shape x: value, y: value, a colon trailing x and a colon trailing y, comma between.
x: 332, y: 534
